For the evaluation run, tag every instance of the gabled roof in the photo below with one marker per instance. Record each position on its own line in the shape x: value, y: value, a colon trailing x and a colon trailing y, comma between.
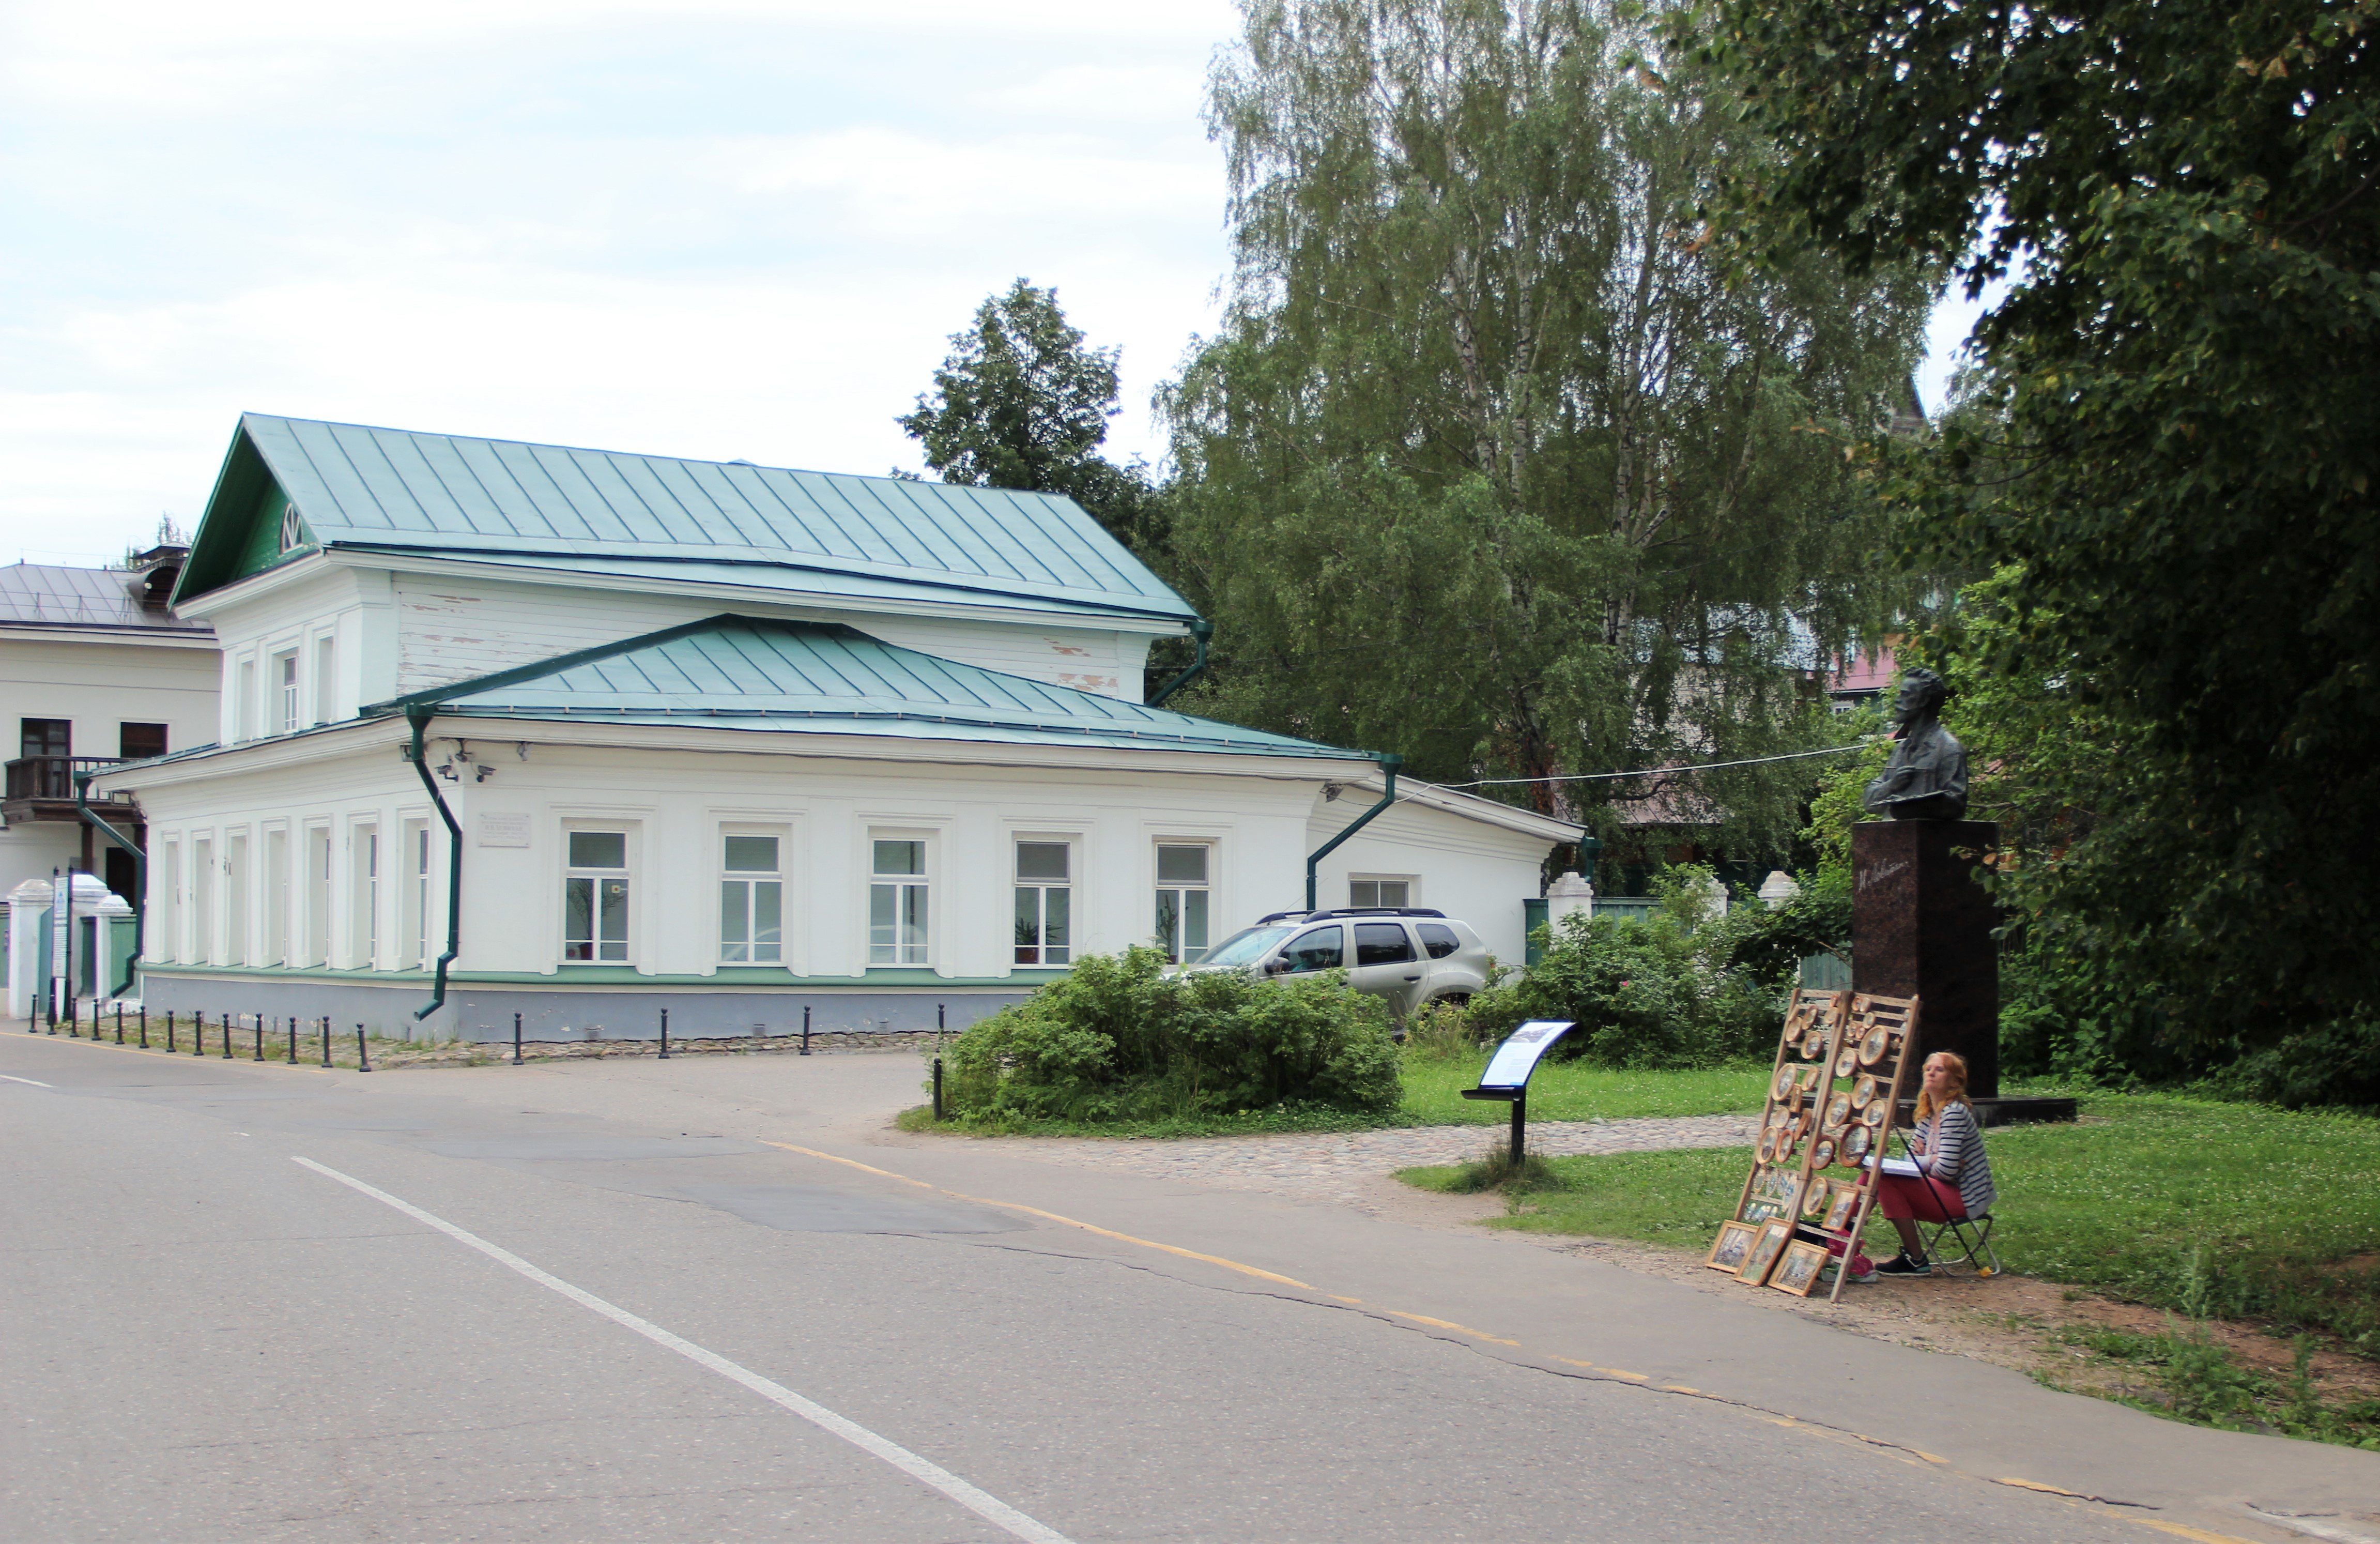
x: 824, y: 678
x: 499, y: 501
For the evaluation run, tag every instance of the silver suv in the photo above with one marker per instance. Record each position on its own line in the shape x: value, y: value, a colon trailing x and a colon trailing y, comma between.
x: 1411, y: 956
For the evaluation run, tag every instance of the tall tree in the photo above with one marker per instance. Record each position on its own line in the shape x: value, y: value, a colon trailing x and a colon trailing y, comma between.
x: 1489, y: 463
x: 2175, y: 440
x: 1021, y: 402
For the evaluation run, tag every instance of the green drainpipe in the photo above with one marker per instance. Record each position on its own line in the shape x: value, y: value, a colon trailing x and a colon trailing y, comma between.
x: 1202, y: 630
x: 417, y: 714
x: 1389, y: 764
x: 140, y: 879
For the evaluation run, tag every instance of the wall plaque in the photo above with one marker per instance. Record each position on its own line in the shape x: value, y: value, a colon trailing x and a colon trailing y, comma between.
x: 498, y: 828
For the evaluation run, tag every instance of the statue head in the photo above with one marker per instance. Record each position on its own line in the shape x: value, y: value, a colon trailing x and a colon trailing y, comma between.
x: 1922, y: 694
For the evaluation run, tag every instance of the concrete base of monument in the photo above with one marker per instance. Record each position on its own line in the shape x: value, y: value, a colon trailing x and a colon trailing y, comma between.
x: 2005, y: 1110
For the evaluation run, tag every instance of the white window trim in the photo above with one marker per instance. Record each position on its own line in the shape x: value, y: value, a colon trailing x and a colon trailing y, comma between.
x: 1077, y: 845
x: 632, y: 829
x: 787, y: 891
x: 1213, y: 887
x: 1411, y: 882
x: 930, y: 880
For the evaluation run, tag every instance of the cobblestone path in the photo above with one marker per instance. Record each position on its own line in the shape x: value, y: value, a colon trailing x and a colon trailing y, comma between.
x: 1334, y: 1165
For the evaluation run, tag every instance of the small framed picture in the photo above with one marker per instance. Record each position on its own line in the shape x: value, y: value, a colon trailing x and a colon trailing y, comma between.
x: 1797, y: 1271
x: 1775, y: 1235
x: 1839, y: 1208
x: 1733, y: 1246
x: 1818, y: 1199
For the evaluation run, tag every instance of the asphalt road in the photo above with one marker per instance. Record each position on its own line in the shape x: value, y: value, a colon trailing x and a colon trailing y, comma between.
x: 594, y: 1301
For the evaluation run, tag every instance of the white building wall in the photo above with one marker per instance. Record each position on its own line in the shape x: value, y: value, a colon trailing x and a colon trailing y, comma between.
x: 1463, y: 868
x: 97, y: 687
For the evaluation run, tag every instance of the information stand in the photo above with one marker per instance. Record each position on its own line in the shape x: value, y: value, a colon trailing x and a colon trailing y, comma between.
x: 1834, y: 1092
x: 1507, y: 1077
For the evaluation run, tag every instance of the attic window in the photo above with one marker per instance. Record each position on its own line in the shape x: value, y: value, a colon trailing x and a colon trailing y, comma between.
x: 293, y: 530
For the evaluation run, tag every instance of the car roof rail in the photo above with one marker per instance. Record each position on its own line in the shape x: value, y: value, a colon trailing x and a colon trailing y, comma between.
x: 1326, y: 913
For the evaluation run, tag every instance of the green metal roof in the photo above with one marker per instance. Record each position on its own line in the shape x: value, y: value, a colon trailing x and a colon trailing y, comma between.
x: 500, y: 501
x: 815, y: 677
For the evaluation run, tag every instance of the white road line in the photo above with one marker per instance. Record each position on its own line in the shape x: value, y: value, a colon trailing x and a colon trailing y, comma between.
x: 983, y: 1505
x: 34, y: 1081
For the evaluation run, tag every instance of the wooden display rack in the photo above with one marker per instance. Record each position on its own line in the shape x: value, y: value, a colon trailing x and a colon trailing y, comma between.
x: 1834, y: 1094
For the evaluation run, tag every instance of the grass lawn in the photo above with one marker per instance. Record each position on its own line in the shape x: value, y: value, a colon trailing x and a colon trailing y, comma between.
x: 1560, y: 1091
x: 2206, y: 1208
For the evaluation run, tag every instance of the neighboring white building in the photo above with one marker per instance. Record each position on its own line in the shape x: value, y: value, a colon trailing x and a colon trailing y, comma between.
x: 724, y: 740
x: 93, y: 669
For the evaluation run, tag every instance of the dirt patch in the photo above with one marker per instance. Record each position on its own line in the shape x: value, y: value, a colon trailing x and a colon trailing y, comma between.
x: 2010, y: 1321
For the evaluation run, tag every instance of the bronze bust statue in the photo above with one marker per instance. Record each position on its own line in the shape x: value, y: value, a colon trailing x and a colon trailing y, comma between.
x: 1926, y: 778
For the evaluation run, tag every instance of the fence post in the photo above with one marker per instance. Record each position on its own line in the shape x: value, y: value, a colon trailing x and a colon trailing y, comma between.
x: 259, y: 1037
x: 326, y: 1039
x: 363, y: 1060
x: 144, y: 1026
x: 806, y: 1029
x: 938, y: 1088
x: 517, y: 1057
x: 119, y: 1021
x: 199, y: 1033
x: 664, y: 1034
x: 226, y: 1029
x: 169, y: 1030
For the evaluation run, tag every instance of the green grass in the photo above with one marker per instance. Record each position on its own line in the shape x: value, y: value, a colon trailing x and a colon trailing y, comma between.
x: 2206, y: 1208
x: 1560, y: 1091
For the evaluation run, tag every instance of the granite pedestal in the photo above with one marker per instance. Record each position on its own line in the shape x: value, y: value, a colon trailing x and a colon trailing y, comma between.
x: 1922, y: 927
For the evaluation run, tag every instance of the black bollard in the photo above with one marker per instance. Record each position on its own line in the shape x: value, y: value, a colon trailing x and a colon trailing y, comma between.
x: 144, y: 1026
x: 806, y: 1029
x: 199, y: 1034
x: 119, y: 1023
x: 226, y: 1029
x: 664, y: 1034
x: 938, y: 1088
x: 326, y: 1039
x: 363, y: 1061
x: 517, y: 1059
x: 259, y: 1037
x: 293, y: 1041
x: 169, y: 1030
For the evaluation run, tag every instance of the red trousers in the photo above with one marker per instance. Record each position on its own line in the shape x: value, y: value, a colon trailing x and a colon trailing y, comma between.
x: 1918, y: 1200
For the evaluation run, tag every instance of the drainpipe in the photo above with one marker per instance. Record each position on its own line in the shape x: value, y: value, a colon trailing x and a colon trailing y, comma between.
x: 140, y: 878
x: 1389, y: 764
x: 1202, y: 630
x: 417, y: 714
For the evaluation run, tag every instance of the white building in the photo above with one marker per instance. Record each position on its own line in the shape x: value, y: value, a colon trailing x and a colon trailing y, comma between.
x: 724, y: 740
x: 93, y: 669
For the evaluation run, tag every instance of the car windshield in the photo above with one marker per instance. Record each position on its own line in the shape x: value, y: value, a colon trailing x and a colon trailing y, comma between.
x: 1246, y: 946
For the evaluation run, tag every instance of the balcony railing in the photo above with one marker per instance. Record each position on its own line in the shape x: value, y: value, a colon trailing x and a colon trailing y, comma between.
x: 51, y: 777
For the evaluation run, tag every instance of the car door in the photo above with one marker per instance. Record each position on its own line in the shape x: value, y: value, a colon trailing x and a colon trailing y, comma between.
x: 1386, y: 965
x: 1323, y: 948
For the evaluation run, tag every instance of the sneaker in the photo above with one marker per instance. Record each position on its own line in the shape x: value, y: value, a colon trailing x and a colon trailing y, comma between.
x: 1865, y: 1278
x: 1901, y: 1265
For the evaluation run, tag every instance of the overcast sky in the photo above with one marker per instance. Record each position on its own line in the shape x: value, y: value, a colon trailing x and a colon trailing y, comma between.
x: 704, y: 228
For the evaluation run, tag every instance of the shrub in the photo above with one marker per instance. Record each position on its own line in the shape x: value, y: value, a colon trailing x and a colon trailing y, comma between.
x: 1657, y: 991
x: 1121, y: 1039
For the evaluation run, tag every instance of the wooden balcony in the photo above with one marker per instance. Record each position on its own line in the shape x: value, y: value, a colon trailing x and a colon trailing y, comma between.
x: 41, y: 787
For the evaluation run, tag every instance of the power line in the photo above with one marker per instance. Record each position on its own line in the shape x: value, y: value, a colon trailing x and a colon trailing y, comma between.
x: 1658, y: 771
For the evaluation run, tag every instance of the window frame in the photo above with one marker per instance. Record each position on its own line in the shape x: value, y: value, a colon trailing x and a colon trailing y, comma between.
x: 1177, y: 949
x: 904, y: 955
x: 365, y: 859
x: 1041, y: 888
x: 750, y: 880
x: 595, y: 876
x: 1412, y: 883
x: 124, y: 750
x: 285, y: 686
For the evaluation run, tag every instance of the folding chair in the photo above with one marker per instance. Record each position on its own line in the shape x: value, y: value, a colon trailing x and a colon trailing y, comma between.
x: 1972, y: 1234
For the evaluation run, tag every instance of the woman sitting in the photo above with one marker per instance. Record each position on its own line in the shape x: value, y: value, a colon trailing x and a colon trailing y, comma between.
x: 1954, y: 1178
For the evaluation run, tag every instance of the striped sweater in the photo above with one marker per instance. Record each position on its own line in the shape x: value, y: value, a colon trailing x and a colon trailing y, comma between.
x: 1954, y: 1155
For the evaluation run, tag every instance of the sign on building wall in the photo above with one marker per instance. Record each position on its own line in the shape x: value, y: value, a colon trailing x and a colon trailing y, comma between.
x: 501, y: 829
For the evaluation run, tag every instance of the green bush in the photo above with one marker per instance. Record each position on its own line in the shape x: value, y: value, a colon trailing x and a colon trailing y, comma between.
x: 1121, y: 1039
x: 1649, y: 993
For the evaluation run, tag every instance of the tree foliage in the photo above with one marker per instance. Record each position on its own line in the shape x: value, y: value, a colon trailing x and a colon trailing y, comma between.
x: 2172, y: 445
x: 1022, y: 402
x: 1490, y: 464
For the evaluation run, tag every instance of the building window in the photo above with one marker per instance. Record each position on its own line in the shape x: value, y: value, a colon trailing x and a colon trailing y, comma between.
x: 414, y: 858
x: 165, y: 889
x: 274, y: 945
x: 896, y: 904
x: 45, y: 736
x: 324, y: 679
x: 365, y: 847
x: 318, y: 895
x: 751, y: 901
x: 1182, y: 889
x: 203, y: 895
x: 1045, y: 904
x: 595, y: 899
x: 283, y: 676
x: 1380, y: 893
x: 293, y: 530
x: 137, y: 742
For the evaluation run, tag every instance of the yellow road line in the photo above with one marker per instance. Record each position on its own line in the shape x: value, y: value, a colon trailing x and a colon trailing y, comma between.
x: 1053, y: 1217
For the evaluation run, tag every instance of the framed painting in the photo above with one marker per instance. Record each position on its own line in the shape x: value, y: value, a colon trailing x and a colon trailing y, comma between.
x: 1733, y: 1246
x: 1775, y: 1235
x: 1839, y: 1210
x: 1797, y: 1270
